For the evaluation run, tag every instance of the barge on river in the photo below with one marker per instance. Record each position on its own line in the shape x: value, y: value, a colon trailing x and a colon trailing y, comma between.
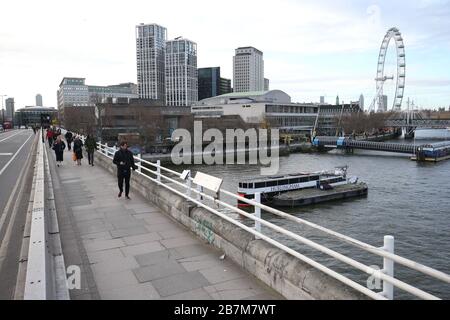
x: 270, y: 187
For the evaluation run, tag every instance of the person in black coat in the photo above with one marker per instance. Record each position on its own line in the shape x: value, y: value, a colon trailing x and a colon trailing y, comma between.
x: 78, y: 149
x: 59, y: 147
x: 124, y: 160
x: 69, y: 137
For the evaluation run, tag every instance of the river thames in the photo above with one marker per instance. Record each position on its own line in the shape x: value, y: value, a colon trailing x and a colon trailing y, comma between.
x: 406, y: 199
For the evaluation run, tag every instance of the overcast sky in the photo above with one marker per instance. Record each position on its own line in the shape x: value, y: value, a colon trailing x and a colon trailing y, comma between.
x: 311, y: 48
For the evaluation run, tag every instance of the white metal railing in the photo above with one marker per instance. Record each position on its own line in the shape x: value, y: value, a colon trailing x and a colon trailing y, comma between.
x: 386, y: 252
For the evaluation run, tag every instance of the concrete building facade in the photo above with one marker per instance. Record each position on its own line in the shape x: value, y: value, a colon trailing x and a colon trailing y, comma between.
x: 150, y: 61
x: 74, y: 92
x: 225, y: 86
x: 272, y: 107
x: 248, y: 70
x: 181, y: 72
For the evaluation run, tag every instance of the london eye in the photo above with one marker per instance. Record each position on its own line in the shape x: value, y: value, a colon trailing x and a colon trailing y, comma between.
x: 380, y: 101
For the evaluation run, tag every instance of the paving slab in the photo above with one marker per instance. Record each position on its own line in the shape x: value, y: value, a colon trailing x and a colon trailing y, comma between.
x: 114, y: 264
x: 197, y: 294
x: 178, y: 242
x: 206, y: 261
x: 219, y: 274
x: 158, y: 271
x: 117, y: 280
x: 142, y: 248
x: 127, y: 232
x: 141, y: 238
x: 98, y: 256
x: 144, y: 291
x: 234, y: 289
x: 101, y: 244
x: 149, y: 259
x: 179, y: 283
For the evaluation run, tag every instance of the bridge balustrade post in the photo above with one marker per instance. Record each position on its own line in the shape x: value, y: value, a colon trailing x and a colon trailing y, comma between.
x: 388, y: 268
x: 158, y: 170
x: 139, y: 156
x: 257, y: 214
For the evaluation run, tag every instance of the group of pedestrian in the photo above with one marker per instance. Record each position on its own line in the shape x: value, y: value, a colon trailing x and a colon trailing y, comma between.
x: 123, y: 158
x: 52, y: 134
x: 55, y: 142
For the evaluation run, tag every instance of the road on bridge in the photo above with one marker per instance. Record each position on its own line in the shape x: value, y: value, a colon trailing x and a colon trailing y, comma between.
x: 16, y: 176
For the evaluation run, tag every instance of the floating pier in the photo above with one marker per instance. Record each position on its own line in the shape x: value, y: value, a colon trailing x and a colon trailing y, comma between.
x: 312, y: 196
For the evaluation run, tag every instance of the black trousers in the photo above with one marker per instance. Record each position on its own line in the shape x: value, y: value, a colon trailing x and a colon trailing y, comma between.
x: 91, y: 157
x: 69, y: 144
x: 121, y: 176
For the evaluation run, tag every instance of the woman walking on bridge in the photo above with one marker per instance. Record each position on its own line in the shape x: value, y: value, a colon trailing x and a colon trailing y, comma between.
x: 59, y: 147
x: 50, y: 136
x: 78, y: 150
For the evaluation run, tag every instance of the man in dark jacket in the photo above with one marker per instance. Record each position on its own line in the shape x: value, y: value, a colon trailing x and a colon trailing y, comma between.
x: 91, y: 145
x: 69, y: 137
x: 124, y: 160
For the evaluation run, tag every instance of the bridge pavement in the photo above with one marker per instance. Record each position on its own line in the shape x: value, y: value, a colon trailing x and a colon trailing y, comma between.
x: 131, y: 250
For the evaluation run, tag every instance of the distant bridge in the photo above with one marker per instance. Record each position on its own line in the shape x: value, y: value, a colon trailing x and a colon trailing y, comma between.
x: 346, y: 143
x: 415, y: 119
x: 418, y: 123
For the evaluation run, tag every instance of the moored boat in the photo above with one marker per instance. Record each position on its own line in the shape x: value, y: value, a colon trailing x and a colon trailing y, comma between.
x: 271, y: 186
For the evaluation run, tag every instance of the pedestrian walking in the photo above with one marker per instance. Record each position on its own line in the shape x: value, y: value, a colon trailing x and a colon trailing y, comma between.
x: 91, y: 145
x: 50, y: 135
x: 78, y: 149
x: 69, y: 138
x: 59, y: 147
x: 124, y: 160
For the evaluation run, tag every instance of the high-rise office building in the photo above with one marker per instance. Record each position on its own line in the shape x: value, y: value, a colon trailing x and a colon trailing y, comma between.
x: 361, y: 102
x: 181, y: 72
x: 248, y: 70
x: 150, y: 60
x: 38, y: 100
x: 225, y: 86
x: 208, y: 82
x: 322, y: 99
x: 73, y: 92
x: 266, y: 84
x: 9, y: 114
x: 211, y: 84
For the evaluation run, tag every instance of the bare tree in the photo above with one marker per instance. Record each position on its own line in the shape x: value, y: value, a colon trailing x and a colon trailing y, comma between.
x: 79, y: 119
